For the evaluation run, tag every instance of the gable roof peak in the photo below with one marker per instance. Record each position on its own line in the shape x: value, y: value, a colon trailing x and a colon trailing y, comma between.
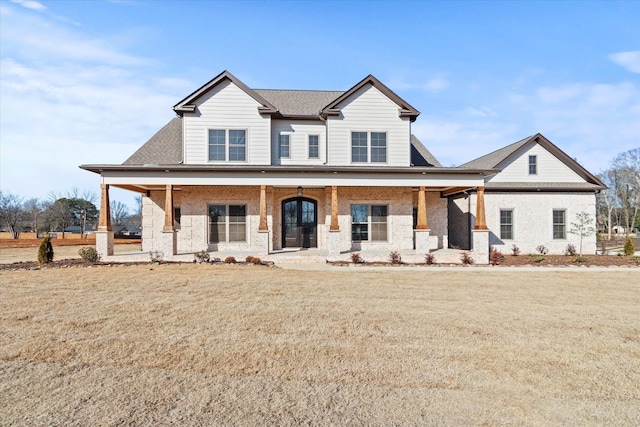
x: 187, y: 105
x: 406, y: 110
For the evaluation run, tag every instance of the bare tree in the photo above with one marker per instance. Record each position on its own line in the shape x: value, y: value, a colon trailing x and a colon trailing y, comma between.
x: 626, y: 172
x: 119, y: 213
x: 607, y: 200
x: 582, y: 227
x: 11, y: 212
x: 34, y: 209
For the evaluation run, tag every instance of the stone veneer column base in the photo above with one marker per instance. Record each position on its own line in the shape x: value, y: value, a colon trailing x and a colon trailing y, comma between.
x: 481, y: 246
x: 262, y: 242
x: 333, y: 245
x: 104, y: 243
x: 168, y: 244
x: 422, y: 240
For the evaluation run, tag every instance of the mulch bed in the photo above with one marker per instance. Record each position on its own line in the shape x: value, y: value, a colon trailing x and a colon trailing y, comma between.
x: 79, y: 263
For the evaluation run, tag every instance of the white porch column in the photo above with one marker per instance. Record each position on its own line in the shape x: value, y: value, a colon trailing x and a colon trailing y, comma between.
x: 104, y: 234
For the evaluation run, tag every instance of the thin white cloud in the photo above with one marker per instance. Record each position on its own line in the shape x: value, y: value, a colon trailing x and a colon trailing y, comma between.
x: 629, y: 60
x: 435, y: 85
x: 30, y: 4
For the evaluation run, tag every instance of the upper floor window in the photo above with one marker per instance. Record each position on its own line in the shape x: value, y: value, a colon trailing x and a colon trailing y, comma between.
x: 368, y: 147
x: 559, y: 224
x: 314, y: 152
x: 533, y: 165
x: 228, y: 144
x: 284, y: 146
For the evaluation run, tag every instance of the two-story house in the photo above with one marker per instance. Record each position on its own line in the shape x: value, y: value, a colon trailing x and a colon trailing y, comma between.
x: 263, y: 171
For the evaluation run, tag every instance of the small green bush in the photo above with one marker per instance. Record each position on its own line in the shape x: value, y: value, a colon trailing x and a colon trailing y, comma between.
x: 629, y: 249
x: 45, y: 251
x: 89, y: 254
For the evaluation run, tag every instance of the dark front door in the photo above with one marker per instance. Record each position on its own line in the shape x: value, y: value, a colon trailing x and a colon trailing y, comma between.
x: 299, y: 223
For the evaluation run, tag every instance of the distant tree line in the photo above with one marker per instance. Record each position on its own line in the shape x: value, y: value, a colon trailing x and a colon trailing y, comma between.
x: 61, y: 211
x: 618, y: 206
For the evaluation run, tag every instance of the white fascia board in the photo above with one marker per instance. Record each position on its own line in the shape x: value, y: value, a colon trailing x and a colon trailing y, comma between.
x: 293, y: 179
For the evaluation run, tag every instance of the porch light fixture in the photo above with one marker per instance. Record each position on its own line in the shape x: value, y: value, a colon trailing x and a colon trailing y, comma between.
x: 299, y: 191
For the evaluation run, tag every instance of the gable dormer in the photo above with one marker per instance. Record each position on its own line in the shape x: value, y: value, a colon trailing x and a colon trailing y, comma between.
x: 369, y: 125
x: 225, y: 122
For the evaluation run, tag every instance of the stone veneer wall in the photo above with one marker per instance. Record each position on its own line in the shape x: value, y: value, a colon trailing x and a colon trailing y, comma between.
x: 192, y: 233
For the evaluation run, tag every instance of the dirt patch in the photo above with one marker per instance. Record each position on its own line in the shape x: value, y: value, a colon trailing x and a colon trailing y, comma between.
x: 34, y: 243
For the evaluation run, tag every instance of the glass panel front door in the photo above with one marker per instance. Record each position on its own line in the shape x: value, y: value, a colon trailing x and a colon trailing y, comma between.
x: 299, y: 223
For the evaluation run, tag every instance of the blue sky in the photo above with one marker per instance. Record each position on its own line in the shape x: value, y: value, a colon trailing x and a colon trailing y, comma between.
x: 90, y: 81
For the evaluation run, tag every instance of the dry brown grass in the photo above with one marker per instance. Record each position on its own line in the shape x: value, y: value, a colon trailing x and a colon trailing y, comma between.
x: 229, y: 345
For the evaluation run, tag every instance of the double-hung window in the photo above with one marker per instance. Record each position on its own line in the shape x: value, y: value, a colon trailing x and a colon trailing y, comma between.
x: 533, y: 165
x: 506, y: 224
x: 559, y: 224
x: 227, y: 223
x: 314, y: 147
x: 227, y: 144
x: 369, y: 223
x: 284, y: 146
x: 368, y: 147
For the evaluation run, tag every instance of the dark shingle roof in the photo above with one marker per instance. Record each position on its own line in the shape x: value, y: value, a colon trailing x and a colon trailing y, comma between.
x: 491, y: 160
x: 420, y: 156
x: 164, y: 148
x: 298, y: 102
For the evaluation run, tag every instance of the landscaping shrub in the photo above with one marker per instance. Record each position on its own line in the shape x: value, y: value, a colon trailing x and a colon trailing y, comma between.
x: 356, y: 258
x: 395, y: 258
x: 570, y: 250
x: 202, y: 256
x: 466, y: 258
x: 89, y: 254
x: 515, y: 250
x: 256, y: 260
x: 542, y: 249
x: 249, y: 259
x: 230, y: 260
x: 495, y: 256
x: 45, y: 251
x: 579, y: 259
x: 429, y: 258
x: 629, y: 249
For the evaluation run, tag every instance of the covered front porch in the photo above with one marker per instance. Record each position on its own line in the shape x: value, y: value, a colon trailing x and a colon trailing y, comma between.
x: 263, y: 215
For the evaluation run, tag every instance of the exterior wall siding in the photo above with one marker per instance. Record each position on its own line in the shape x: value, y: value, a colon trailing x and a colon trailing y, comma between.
x: 299, y: 132
x: 226, y: 107
x: 369, y: 110
x: 550, y: 169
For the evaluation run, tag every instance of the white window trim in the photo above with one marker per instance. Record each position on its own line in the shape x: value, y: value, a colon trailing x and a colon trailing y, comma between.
x: 226, y: 145
x: 246, y: 221
x: 371, y: 242
x: 368, y: 132
x: 529, y: 164
x: 565, y: 224
x: 290, y: 135
x: 308, y: 146
x: 513, y: 222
